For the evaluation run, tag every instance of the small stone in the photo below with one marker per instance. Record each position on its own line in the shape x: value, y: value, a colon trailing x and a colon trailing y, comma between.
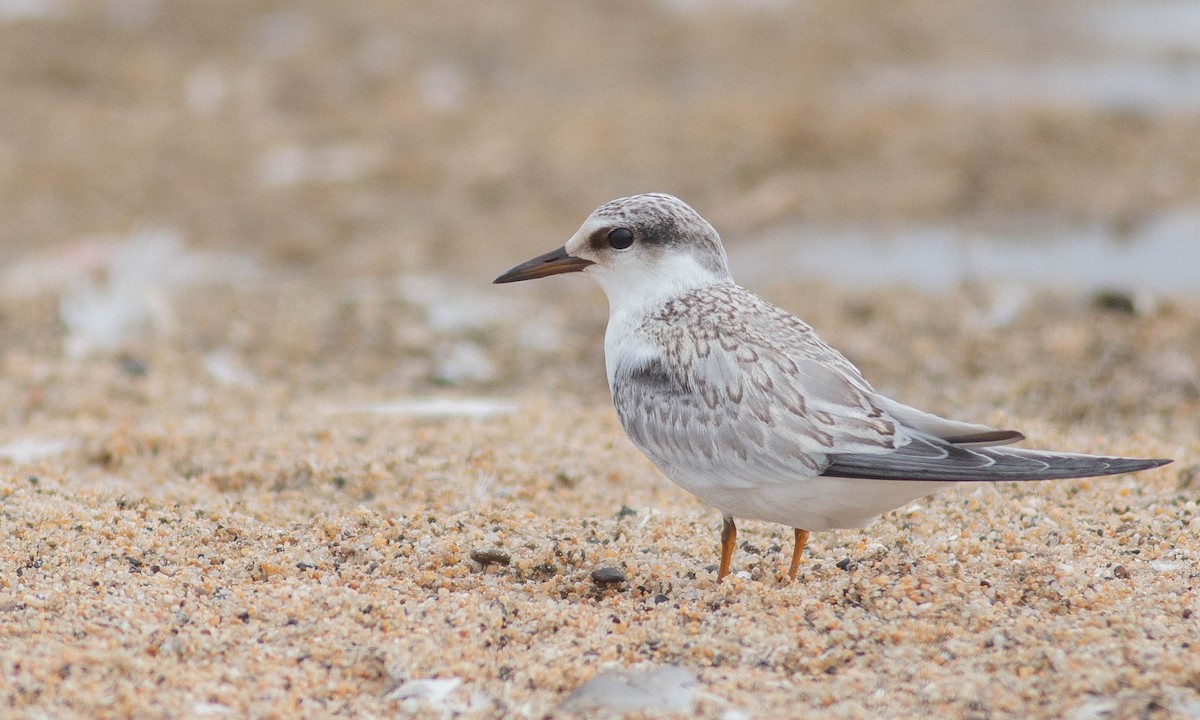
x: 133, y: 367
x: 1115, y: 301
x: 1121, y: 572
x: 487, y: 556
x: 667, y: 689
x: 607, y: 576
x: 875, y: 551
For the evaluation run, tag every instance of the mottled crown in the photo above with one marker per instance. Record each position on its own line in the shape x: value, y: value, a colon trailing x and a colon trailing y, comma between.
x: 666, y: 221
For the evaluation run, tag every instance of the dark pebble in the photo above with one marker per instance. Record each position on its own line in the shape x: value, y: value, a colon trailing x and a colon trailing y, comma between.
x: 607, y: 575
x: 846, y: 564
x: 133, y: 367
x: 1121, y: 572
x: 1117, y: 301
x: 488, y: 556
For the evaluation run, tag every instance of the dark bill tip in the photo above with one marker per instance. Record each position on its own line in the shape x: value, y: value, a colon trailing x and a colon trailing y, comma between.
x: 554, y: 262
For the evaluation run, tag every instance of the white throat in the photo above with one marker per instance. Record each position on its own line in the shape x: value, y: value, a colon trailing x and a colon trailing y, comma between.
x: 634, y: 291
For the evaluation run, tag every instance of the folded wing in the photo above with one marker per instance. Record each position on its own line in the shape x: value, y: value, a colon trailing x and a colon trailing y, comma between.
x: 929, y: 458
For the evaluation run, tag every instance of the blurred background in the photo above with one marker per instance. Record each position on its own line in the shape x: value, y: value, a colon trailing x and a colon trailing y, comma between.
x: 376, y: 137
x: 346, y: 166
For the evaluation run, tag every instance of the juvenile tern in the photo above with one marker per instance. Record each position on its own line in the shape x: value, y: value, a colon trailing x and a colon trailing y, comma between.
x: 741, y: 404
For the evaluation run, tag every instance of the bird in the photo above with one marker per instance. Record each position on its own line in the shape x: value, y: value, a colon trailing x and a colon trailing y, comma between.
x: 741, y: 404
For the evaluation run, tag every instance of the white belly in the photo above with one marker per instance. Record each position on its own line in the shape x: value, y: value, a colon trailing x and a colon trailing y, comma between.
x: 816, y: 503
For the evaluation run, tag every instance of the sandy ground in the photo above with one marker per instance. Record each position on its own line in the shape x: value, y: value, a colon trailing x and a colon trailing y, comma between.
x: 239, y: 508
x: 268, y: 551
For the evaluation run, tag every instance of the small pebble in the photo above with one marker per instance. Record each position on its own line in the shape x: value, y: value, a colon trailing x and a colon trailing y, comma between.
x: 1115, y: 301
x: 133, y: 367
x: 1121, y: 572
x: 667, y: 689
x: 487, y: 556
x: 607, y: 575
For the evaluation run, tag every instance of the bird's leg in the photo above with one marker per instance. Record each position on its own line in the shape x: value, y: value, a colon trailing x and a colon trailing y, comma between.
x: 728, y: 538
x: 797, y: 551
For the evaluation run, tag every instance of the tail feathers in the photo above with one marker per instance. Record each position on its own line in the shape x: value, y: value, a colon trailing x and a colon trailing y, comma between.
x: 935, y: 459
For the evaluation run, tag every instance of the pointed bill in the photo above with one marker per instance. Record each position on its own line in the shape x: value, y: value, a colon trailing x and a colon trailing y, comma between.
x: 554, y: 262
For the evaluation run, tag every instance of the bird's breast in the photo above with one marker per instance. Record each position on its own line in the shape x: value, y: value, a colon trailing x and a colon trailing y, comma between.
x: 626, y: 351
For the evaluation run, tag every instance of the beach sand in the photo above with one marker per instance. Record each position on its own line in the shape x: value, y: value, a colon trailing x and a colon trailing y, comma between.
x: 330, y: 471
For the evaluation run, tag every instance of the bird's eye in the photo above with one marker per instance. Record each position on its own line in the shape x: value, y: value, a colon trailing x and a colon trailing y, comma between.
x: 621, y: 238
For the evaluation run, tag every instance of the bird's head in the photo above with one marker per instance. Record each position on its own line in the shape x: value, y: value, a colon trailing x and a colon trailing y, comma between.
x: 639, y: 248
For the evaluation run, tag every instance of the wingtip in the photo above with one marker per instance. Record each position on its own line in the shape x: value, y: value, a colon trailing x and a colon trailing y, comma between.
x: 1132, y: 465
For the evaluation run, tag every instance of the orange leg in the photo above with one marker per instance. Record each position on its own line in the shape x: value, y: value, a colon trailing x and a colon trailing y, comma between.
x: 728, y: 538
x: 797, y: 551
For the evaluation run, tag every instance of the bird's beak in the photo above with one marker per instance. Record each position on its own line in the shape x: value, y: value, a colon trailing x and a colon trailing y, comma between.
x: 554, y: 262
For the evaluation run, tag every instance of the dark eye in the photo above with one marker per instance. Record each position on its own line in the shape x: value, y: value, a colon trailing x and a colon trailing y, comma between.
x: 621, y: 238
